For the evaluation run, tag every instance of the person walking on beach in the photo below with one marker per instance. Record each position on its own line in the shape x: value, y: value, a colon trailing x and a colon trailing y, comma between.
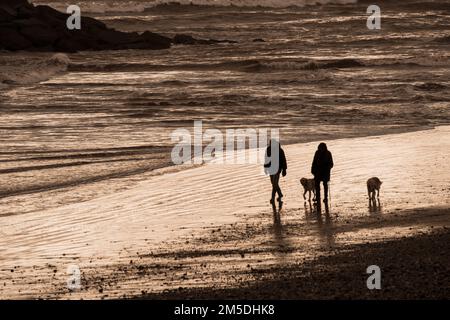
x: 274, y: 165
x: 321, y: 169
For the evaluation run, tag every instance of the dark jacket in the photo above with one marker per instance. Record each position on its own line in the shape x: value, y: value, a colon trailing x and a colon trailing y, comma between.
x: 268, y: 162
x: 322, y: 163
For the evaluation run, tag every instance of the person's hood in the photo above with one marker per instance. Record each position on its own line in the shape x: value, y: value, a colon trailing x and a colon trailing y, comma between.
x: 322, y: 147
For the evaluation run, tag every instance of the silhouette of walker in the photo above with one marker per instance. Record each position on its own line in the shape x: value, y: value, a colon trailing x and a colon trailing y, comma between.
x: 321, y: 169
x: 274, y: 165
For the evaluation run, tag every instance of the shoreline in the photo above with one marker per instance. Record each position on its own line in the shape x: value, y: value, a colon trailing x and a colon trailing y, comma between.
x: 90, y: 186
x: 130, y: 242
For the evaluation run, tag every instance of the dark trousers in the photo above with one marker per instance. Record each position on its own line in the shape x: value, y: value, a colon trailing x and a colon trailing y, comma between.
x: 325, y: 188
x: 275, y: 180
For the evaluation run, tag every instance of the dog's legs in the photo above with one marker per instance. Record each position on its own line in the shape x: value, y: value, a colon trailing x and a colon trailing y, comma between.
x: 309, y: 195
x: 304, y: 195
x: 378, y: 193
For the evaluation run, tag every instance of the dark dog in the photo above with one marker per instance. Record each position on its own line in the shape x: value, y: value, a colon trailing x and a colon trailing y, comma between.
x: 373, y: 184
x: 309, y: 185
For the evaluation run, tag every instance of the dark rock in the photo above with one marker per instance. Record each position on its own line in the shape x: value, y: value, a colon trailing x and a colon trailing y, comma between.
x: 19, y: 23
x: 91, y: 24
x: 156, y: 39
x: 40, y: 36
x: 24, y: 26
x: 224, y: 41
x: 52, y: 17
x: 69, y: 45
x: 11, y: 39
x: 189, y: 40
x: 6, y: 16
x: 184, y: 39
x: 25, y: 11
x: 259, y: 40
x: 116, y: 38
x: 12, y: 5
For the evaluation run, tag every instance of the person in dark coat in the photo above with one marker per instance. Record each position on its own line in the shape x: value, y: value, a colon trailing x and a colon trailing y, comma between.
x: 321, y: 169
x: 274, y: 166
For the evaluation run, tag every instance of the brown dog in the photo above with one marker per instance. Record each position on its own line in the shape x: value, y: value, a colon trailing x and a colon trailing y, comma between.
x: 309, y: 185
x: 373, y: 184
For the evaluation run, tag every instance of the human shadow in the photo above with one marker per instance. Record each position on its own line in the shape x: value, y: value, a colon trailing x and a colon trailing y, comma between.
x: 276, y: 213
x: 282, y: 244
x: 325, y: 224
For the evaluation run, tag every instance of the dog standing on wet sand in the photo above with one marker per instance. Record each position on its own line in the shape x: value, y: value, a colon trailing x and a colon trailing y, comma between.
x: 309, y: 185
x: 373, y: 185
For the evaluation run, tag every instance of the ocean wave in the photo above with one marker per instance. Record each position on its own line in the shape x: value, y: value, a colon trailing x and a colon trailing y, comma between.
x: 29, y: 71
x: 262, y: 65
x: 430, y: 86
x: 99, y: 7
x: 429, y: 61
x: 102, y: 7
x: 253, y: 3
x: 240, y: 65
x: 425, y: 5
x: 443, y: 39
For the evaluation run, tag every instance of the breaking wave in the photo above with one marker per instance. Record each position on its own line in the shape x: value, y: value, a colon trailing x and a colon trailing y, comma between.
x: 141, y: 6
x: 243, y: 66
x: 29, y: 71
x: 260, y: 65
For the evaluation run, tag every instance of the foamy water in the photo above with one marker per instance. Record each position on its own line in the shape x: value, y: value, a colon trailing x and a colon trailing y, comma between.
x: 142, y: 5
x: 413, y: 167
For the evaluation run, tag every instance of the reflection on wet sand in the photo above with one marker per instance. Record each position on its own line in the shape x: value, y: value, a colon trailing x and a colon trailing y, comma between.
x: 114, y: 229
x: 325, y: 224
x: 375, y: 206
x: 277, y: 212
x: 308, y: 208
x: 282, y: 244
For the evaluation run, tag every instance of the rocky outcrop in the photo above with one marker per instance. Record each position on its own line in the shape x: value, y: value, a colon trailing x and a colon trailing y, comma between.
x: 24, y: 26
x: 189, y: 40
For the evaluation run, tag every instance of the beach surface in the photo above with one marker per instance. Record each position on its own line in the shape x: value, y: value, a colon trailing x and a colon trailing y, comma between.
x: 75, y: 127
x: 212, y: 226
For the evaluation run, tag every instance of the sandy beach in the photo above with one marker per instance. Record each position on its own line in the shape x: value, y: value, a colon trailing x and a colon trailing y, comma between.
x: 227, y: 239
x: 92, y: 205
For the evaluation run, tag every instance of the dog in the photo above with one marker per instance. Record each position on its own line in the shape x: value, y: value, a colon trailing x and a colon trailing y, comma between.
x: 309, y: 185
x: 373, y: 184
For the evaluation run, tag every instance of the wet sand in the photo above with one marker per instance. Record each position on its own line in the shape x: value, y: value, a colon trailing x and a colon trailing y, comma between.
x: 268, y: 258
x: 161, y: 235
x: 412, y: 267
